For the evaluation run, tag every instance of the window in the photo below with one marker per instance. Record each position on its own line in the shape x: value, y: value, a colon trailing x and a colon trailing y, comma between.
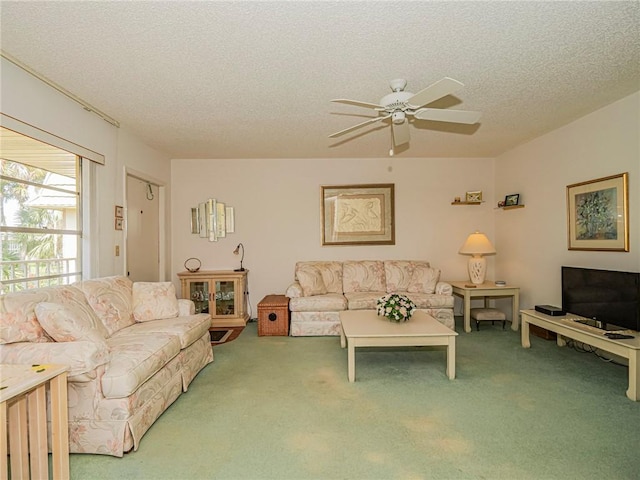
x: 40, y: 213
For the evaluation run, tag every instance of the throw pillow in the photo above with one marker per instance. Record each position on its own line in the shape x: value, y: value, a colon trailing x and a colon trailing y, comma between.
x: 311, y: 281
x: 423, y: 280
x: 67, y: 323
x: 154, y: 300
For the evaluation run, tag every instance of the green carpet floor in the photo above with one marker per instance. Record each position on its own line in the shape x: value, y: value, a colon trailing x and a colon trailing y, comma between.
x: 282, y: 408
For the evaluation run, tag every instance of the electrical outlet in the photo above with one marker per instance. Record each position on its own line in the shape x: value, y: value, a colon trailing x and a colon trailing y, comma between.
x: 117, y: 250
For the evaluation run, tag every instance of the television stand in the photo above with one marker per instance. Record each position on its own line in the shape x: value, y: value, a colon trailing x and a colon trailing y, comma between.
x: 566, y: 327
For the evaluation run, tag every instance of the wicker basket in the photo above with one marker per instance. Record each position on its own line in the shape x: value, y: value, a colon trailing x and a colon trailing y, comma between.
x: 273, y: 316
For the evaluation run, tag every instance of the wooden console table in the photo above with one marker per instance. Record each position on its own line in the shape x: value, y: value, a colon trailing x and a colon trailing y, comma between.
x: 23, y: 402
x: 566, y: 326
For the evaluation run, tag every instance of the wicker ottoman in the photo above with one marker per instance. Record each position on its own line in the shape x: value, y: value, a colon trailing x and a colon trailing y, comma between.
x: 493, y: 314
x: 273, y: 315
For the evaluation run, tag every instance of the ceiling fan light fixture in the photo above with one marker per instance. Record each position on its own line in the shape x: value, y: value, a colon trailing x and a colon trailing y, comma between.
x: 398, y: 117
x: 400, y: 105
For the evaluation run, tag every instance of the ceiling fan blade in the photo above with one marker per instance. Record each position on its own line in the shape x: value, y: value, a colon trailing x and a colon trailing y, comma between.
x: 347, y: 130
x: 444, y: 115
x: 433, y: 92
x: 400, y: 132
x: 357, y: 103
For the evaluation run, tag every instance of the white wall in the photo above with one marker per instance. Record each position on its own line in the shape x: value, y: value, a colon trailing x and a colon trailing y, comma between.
x: 532, y: 241
x: 31, y: 101
x: 277, y: 212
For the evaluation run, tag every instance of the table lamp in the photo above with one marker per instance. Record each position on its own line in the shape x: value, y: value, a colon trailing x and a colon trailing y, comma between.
x: 236, y: 252
x: 477, y: 245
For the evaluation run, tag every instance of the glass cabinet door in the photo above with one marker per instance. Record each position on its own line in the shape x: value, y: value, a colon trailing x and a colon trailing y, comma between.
x: 199, y: 293
x: 225, y: 297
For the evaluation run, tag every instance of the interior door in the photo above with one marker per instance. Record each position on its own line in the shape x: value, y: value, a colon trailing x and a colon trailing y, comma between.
x: 143, y: 230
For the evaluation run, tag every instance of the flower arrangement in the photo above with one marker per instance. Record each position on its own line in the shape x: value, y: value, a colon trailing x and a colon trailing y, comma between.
x: 397, y: 308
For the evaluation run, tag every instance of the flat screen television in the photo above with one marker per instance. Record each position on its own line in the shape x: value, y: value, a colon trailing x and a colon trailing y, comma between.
x: 610, y: 298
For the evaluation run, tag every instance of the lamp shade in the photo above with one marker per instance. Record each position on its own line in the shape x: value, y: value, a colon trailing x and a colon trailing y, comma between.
x: 477, y: 244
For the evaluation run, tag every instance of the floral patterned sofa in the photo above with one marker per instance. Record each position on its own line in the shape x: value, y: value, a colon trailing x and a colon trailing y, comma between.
x: 132, y: 349
x: 322, y: 289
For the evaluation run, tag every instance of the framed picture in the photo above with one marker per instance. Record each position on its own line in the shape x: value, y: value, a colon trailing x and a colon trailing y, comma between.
x: 598, y: 214
x: 119, y: 223
x: 511, y: 200
x: 358, y: 214
x: 473, y: 197
x: 119, y: 211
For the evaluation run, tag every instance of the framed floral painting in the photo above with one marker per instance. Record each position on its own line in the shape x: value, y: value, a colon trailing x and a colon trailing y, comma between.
x: 598, y: 214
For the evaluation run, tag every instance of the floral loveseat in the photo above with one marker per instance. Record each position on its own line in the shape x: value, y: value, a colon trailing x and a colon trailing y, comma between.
x: 132, y: 349
x: 322, y: 289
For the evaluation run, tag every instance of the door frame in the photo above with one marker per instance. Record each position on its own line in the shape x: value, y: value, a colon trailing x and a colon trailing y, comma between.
x: 162, y: 225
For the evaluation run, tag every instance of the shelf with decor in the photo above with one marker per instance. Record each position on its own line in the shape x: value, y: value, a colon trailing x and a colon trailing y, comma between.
x: 510, y: 207
x: 466, y: 203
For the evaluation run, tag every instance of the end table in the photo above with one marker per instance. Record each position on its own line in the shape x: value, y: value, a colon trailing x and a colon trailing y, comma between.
x: 487, y: 289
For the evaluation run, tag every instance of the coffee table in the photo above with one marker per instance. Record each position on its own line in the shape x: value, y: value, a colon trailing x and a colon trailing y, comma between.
x: 364, y: 328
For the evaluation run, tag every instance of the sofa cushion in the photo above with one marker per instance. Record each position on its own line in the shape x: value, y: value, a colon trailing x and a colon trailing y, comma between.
x: 398, y: 273
x: 70, y: 295
x: 430, y: 300
x: 111, y: 300
x: 423, y: 280
x: 134, y: 359
x: 331, y: 273
x: 67, y: 323
x: 188, y: 329
x: 363, y: 276
x: 19, y: 322
x: 154, y: 301
x: 363, y: 300
x: 331, y: 302
x: 311, y: 281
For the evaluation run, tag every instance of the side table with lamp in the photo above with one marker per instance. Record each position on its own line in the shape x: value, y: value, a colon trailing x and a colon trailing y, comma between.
x: 477, y: 245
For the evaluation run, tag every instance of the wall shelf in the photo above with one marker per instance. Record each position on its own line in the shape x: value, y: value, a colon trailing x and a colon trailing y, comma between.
x: 466, y: 203
x: 511, y: 207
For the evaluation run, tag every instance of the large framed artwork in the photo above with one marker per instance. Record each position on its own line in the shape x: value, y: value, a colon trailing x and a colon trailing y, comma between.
x: 598, y: 214
x: 358, y: 214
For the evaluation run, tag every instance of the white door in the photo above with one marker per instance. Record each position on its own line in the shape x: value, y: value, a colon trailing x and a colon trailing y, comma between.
x: 143, y: 230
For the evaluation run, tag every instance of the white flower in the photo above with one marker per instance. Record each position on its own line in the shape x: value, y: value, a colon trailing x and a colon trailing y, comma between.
x: 395, y: 307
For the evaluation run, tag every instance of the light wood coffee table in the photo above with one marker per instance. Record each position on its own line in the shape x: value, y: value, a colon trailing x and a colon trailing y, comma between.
x: 363, y: 328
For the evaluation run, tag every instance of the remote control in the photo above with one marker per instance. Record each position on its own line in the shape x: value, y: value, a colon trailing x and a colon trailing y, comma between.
x: 618, y: 336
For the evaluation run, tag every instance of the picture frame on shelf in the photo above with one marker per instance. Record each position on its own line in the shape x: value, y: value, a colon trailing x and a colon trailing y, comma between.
x: 598, y: 214
x: 358, y: 214
x: 473, y: 197
x: 512, y: 200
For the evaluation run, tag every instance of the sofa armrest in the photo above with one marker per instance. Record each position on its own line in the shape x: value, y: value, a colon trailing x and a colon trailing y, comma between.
x: 82, y: 357
x: 294, y: 291
x: 186, y: 307
x: 444, y: 288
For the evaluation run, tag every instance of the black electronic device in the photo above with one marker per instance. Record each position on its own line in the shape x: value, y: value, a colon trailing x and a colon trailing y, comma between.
x: 550, y: 310
x: 611, y: 298
x: 618, y: 336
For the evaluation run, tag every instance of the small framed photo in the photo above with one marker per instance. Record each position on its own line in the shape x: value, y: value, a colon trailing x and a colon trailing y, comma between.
x: 119, y: 211
x: 119, y: 223
x: 473, y: 197
x: 511, y: 200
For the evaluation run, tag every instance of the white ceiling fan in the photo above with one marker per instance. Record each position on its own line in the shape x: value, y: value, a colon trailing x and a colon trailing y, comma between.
x: 399, y: 106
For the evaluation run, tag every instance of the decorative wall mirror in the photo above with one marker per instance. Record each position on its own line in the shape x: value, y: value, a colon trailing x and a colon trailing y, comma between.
x: 212, y: 219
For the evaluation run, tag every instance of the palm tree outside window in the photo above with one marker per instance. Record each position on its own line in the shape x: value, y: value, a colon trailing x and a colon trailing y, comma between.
x: 40, y: 214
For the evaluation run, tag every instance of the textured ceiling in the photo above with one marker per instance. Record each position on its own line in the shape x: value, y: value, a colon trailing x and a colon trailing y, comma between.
x: 254, y: 79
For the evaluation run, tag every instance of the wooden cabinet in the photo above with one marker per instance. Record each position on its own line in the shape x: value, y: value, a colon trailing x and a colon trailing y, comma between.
x: 220, y: 293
